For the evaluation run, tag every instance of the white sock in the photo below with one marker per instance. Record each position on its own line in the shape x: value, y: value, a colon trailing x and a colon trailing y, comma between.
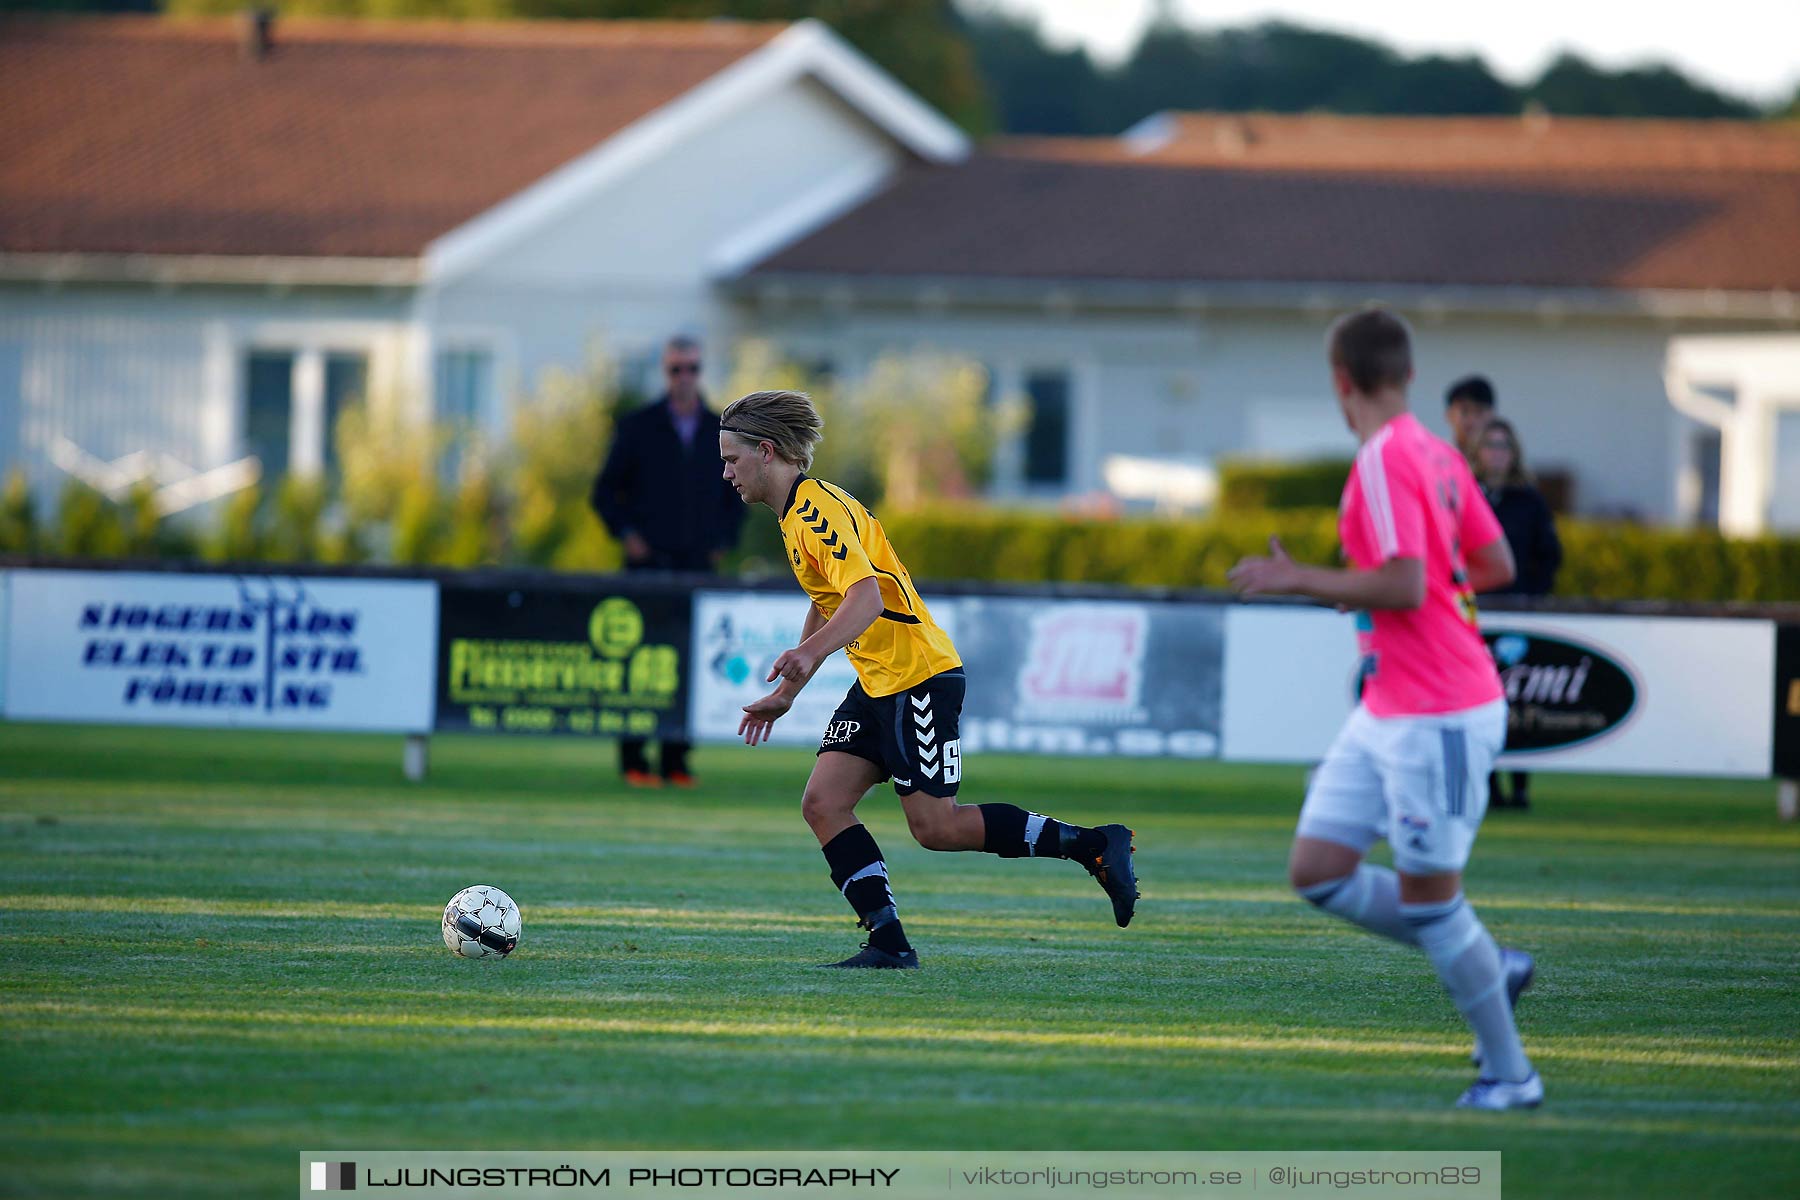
x: 1368, y: 896
x: 1468, y: 963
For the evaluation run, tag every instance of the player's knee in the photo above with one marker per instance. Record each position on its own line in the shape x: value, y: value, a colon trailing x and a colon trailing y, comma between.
x: 1314, y: 862
x: 1306, y: 876
x: 820, y: 807
x: 932, y: 829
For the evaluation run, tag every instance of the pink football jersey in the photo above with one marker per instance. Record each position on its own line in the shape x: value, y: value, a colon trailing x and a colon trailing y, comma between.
x: 1411, y: 495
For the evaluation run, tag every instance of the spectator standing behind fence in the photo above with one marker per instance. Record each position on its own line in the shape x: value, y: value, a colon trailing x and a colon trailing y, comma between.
x: 1530, y: 532
x: 1469, y: 406
x: 663, y: 500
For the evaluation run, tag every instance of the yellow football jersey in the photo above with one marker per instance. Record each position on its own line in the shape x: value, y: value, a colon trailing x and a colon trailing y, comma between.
x: 833, y: 542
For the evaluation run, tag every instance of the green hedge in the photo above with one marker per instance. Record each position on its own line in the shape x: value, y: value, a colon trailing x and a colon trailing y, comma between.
x: 1615, y: 561
x: 1246, y: 486
x: 1031, y: 547
x: 1602, y: 561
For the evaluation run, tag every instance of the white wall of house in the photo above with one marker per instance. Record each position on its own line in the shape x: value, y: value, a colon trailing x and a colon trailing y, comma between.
x: 1742, y: 394
x: 116, y: 371
x: 635, y: 259
x: 1585, y: 394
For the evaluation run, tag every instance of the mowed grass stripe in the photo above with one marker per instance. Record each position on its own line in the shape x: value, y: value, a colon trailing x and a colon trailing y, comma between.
x: 565, y: 912
x: 1243, y: 1040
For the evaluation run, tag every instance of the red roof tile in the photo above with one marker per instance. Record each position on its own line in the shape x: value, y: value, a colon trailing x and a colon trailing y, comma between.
x: 351, y: 138
x: 1413, y: 201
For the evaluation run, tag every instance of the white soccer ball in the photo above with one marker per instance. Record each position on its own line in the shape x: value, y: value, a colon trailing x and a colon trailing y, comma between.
x: 481, y: 922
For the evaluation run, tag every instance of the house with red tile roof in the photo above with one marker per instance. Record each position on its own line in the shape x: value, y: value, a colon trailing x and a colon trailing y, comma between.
x: 214, y: 234
x: 1161, y: 296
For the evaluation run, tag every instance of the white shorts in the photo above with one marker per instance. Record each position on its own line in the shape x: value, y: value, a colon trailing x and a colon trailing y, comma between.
x: 1420, y: 781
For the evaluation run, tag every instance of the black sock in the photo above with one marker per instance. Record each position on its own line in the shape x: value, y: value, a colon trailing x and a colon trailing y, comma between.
x: 1003, y: 830
x: 1014, y: 833
x: 857, y: 869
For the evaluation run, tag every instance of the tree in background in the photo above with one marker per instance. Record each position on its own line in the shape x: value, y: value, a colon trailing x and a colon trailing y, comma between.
x: 912, y: 429
x: 1281, y: 67
x: 932, y: 426
x: 413, y: 491
x: 18, y: 516
x: 1572, y: 85
x: 1035, y: 88
x: 559, y: 439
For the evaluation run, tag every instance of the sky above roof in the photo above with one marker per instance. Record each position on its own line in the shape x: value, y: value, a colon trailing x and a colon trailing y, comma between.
x: 1743, y: 47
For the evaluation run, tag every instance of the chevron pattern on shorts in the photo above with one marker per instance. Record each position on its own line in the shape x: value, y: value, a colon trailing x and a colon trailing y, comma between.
x: 925, y: 731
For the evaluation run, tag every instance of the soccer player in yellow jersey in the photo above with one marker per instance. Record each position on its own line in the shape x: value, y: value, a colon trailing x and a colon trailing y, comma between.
x: 899, y: 719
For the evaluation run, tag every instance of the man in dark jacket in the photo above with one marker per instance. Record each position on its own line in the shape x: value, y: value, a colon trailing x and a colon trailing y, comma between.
x: 664, y: 499
x: 1468, y: 407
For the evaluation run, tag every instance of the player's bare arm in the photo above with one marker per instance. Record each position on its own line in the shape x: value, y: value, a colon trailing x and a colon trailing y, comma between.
x: 862, y: 605
x: 1398, y: 583
x: 1491, y: 567
x: 819, y: 640
x: 760, y: 715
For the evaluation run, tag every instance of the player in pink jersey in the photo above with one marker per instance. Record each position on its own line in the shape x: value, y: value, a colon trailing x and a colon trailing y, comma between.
x: 1411, y: 764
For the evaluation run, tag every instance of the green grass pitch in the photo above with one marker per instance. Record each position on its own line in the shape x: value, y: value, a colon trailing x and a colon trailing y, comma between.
x: 223, y: 948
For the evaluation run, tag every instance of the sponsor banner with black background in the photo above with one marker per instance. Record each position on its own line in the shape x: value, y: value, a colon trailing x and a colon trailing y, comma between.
x: 1091, y: 677
x: 1787, y: 702
x: 1585, y: 692
x: 1560, y: 691
x: 260, y: 651
x: 577, y: 659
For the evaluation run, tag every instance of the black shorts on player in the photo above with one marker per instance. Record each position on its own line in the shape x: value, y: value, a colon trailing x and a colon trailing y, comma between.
x: 912, y: 735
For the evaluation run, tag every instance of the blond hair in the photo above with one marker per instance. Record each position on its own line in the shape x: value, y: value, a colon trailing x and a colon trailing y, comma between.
x: 786, y: 420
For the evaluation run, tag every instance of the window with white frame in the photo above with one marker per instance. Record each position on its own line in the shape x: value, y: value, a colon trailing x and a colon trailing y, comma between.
x: 463, y: 383
x: 292, y: 401
x: 269, y: 409
x: 1049, y: 411
x: 1784, y: 480
x: 12, y: 404
x: 346, y: 386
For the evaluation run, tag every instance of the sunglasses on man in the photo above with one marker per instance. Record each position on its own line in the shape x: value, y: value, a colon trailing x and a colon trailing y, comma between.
x: 683, y: 368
